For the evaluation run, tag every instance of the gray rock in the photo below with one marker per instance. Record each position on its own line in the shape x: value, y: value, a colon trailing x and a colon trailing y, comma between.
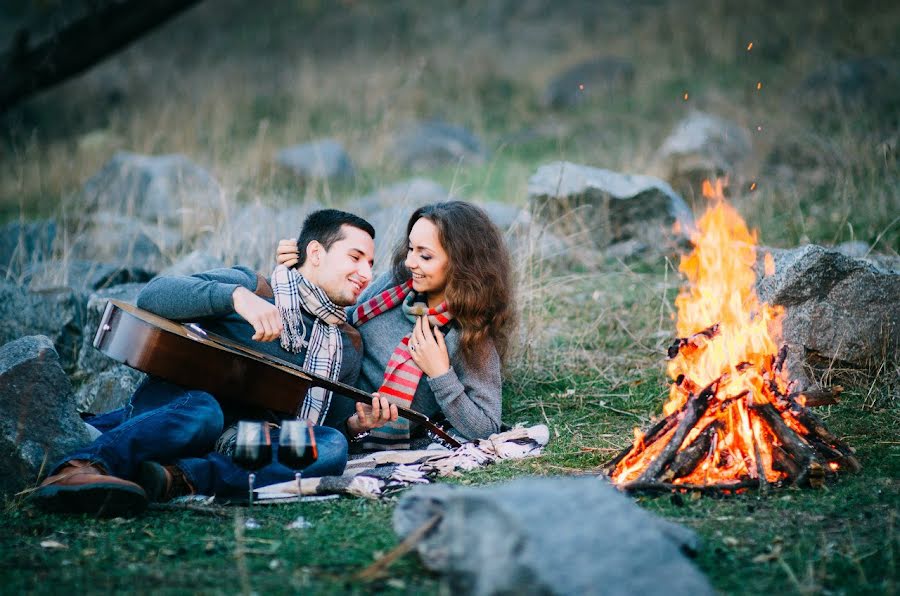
x: 82, y: 276
x: 433, y: 143
x: 24, y: 243
x: 388, y: 210
x: 549, y: 536
x: 504, y: 215
x: 168, y: 189
x: 57, y: 314
x: 837, y: 308
x: 593, y: 206
x: 702, y: 146
x: 38, y: 422
x: 588, y: 81
x: 195, y: 262
x: 120, y: 239
x: 108, y: 390
x: 411, y: 194
x: 253, y: 231
x: 90, y: 360
x: 837, y: 86
x: 320, y: 160
x: 856, y: 249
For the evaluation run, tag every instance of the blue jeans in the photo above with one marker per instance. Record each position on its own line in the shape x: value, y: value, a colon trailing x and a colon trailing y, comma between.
x: 168, y: 424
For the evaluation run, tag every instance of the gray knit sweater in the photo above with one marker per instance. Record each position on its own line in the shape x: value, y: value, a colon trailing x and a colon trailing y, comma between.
x: 469, y: 394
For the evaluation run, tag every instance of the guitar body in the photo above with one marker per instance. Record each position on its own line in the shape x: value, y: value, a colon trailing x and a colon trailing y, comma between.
x: 231, y: 372
x: 177, y: 353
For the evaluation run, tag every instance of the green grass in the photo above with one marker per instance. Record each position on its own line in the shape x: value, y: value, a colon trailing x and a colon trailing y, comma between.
x: 589, y: 357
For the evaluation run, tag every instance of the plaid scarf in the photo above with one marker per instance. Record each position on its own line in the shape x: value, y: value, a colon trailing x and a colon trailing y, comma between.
x: 402, y: 374
x: 324, y: 350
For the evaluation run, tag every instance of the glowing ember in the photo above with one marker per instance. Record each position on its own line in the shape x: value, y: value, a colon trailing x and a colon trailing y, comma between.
x: 685, y: 96
x: 729, y: 417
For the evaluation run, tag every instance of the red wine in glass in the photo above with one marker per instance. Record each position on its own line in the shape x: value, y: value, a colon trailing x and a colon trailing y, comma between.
x: 252, y: 449
x: 297, y: 444
x: 297, y: 450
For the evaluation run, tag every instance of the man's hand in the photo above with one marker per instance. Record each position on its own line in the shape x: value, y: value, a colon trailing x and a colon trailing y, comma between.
x: 260, y: 313
x: 287, y: 253
x: 368, y: 417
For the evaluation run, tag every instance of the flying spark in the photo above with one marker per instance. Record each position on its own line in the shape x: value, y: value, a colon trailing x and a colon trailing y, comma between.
x: 753, y: 186
x: 759, y: 86
x: 685, y: 96
x: 749, y: 46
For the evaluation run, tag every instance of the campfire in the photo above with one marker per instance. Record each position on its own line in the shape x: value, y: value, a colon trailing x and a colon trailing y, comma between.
x: 731, y: 420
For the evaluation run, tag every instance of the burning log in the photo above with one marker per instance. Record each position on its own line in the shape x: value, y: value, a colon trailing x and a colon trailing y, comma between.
x: 692, y: 411
x: 818, y: 397
x: 692, y: 343
x: 723, y: 488
x: 799, y: 450
x: 688, y: 458
x: 656, y: 431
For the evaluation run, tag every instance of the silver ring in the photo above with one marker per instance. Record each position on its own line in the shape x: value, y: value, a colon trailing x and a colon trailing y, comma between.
x: 412, y: 348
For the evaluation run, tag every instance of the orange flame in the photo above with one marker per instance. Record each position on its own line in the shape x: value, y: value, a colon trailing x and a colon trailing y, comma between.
x: 740, y: 352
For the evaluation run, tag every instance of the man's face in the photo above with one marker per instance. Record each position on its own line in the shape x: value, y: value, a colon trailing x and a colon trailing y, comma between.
x: 344, y: 270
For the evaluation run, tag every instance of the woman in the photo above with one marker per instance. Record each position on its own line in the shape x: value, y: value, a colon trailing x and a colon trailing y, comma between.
x: 435, y: 328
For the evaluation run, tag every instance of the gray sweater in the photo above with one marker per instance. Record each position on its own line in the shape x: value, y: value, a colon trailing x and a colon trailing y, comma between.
x: 205, y: 298
x: 469, y: 394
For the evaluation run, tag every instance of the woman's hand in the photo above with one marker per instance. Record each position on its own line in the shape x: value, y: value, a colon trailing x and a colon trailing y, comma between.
x: 368, y: 417
x: 287, y: 254
x: 428, y: 349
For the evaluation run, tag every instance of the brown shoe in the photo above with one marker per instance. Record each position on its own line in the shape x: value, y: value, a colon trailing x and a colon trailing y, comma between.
x: 81, y: 487
x: 163, y: 483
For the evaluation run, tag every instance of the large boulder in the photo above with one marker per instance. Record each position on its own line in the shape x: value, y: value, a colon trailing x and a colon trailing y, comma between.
x: 434, y: 143
x: 24, y: 243
x: 121, y: 239
x: 702, y: 146
x: 194, y: 262
x: 388, y: 210
x: 81, y: 276
x: 325, y: 159
x: 838, y: 308
x: 596, y: 207
x: 587, y: 81
x: 253, y: 231
x: 835, y: 87
x: 38, y: 422
x: 108, y: 390
x: 57, y: 314
x: 549, y: 536
x: 166, y: 189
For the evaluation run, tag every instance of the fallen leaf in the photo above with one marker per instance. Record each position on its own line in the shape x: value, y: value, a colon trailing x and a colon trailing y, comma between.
x: 53, y: 545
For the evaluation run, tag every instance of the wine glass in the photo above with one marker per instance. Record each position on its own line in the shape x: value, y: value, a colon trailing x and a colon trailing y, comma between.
x: 297, y: 450
x: 252, y: 449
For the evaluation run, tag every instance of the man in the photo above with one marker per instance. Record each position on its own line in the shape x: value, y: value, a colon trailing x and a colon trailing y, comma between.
x: 162, y: 444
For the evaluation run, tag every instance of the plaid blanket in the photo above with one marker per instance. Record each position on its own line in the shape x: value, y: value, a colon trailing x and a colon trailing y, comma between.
x: 383, y: 473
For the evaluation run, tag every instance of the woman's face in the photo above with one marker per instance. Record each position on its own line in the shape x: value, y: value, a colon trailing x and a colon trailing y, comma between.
x: 426, y: 259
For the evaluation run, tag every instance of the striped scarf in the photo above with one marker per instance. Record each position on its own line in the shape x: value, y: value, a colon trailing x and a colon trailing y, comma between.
x: 402, y: 374
x: 324, y: 350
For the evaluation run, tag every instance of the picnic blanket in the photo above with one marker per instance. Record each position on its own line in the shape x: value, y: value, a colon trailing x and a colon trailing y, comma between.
x: 383, y: 473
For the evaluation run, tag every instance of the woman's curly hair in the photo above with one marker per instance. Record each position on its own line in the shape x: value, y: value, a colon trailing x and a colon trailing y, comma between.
x: 479, y: 288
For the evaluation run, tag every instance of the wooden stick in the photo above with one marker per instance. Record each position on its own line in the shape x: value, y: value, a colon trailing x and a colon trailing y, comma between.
x: 818, y: 397
x: 817, y: 429
x: 638, y: 486
x: 799, y: 450
x: 659, y: 429
x: 377, y: 568
x: 782, y: 462
x: 692, y: 411
x: 688, y: 458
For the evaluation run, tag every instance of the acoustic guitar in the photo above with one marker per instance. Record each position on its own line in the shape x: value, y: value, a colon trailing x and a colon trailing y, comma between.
x: 187, y: 355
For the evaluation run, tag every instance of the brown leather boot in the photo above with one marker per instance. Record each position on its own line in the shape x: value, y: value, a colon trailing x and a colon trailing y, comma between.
x: 83, y: 487
x: 163, y: 483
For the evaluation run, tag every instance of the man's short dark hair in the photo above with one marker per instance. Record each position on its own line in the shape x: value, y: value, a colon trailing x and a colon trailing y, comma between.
x: 325, y: 226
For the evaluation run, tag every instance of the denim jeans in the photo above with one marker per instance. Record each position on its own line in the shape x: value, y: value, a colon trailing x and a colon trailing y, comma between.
x: 168, y: 424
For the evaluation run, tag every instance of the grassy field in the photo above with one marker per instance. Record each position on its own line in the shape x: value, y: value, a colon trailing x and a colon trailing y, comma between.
x: 590, y: 360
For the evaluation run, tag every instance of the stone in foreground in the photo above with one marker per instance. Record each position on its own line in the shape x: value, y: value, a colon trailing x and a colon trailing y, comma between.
x: 549, y: 536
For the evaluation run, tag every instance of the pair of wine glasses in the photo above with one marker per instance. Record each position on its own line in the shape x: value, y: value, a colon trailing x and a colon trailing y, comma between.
x: 296, y: 448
